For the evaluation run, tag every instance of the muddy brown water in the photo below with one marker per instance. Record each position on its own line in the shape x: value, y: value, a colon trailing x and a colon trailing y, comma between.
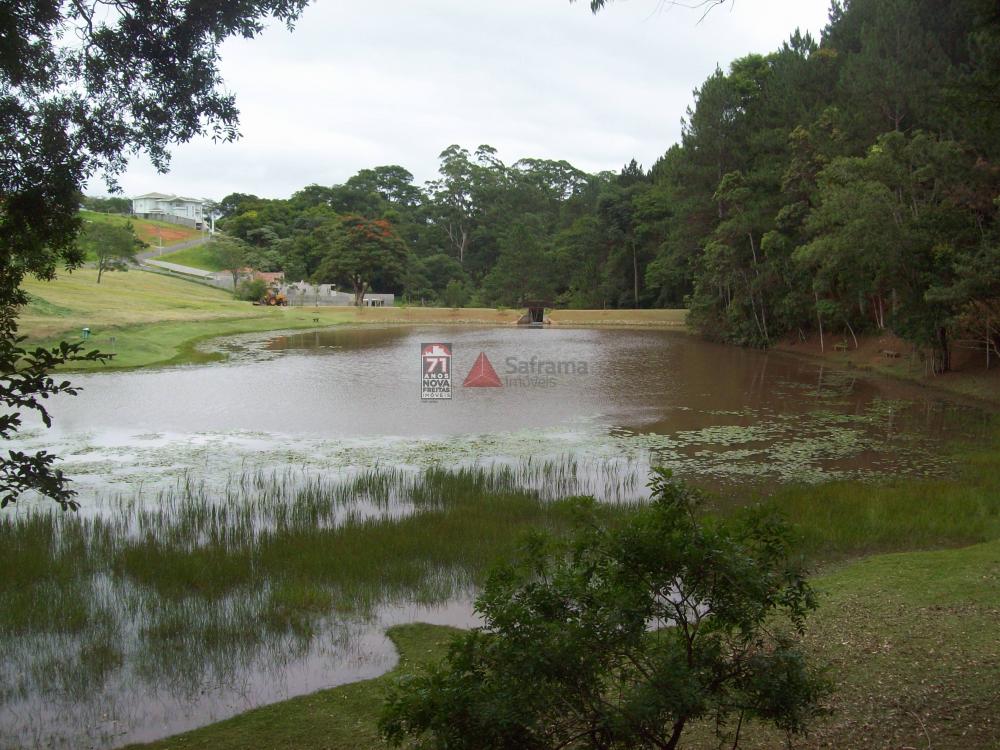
x: 345, y: 398
x: 722, y: 416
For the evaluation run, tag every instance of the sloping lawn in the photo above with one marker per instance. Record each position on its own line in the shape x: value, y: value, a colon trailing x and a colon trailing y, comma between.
x: 152, y: 232
x: 154, y: 319
x: 200, y: 256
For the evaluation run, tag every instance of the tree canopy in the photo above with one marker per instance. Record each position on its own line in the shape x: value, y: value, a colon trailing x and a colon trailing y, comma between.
x: 84, y: 85
x: 841, y: 185
x: 620, y: 637
x: 112, y: 246
x: 358, y: 253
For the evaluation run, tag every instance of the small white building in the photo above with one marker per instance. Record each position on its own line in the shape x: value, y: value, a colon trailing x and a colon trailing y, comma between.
x: 327, y: 295
x: 173, y: 208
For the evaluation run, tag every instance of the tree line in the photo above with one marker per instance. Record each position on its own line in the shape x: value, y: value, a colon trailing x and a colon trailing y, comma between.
x: 843, y: 185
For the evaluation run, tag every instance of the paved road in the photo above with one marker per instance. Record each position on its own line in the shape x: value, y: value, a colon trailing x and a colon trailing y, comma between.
x: 177, y: 268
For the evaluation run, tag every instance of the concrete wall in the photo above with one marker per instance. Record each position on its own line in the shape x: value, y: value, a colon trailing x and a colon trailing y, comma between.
x: 324, y: 295
x: 170, y: 219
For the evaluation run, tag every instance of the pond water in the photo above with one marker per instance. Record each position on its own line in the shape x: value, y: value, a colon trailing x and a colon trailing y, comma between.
x: 351, y: 397
x: 340, y: 401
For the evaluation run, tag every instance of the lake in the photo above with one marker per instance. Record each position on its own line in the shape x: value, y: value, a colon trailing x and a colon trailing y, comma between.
x: 351, y: 397
x: 577, y: 411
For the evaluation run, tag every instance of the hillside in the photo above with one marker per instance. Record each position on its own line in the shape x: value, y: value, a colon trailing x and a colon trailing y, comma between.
x: 200, y: 256
x: 146, y: 318
x: 154, y: 233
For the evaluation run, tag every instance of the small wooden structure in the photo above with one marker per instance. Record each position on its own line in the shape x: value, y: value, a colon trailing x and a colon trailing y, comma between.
x: 535, y: 316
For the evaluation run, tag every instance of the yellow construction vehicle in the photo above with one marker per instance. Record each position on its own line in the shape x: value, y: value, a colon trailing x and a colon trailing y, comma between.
x: 274, y: 298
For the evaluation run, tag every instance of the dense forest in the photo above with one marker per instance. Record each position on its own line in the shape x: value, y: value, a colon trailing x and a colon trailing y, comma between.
x: 843, y: 185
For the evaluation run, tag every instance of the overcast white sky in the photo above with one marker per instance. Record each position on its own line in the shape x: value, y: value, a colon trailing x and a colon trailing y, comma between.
x: 364, y: 83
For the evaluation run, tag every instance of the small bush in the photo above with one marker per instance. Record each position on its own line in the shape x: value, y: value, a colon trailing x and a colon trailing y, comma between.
x: 251, y: 290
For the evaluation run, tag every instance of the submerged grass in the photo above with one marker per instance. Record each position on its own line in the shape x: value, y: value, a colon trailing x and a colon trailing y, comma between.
x: 191, y: 587
x: 196, y: 586
x: 343, y: 717
x: 910, y: 639
x: 841, y: 520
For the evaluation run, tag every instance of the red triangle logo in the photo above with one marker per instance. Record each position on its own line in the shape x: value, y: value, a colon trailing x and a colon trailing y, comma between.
x: 482, y: 374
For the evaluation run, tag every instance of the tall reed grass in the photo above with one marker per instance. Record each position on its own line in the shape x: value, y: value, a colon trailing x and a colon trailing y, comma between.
x: 193, y: 585
x: 192, y: 581
x: 839, y: 520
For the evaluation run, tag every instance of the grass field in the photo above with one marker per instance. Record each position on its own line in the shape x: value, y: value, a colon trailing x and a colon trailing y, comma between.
x: 913, y: 653
x: 153, y: 318
x: 200, y: 256
x: 154, y: 233
x: 156, y: 319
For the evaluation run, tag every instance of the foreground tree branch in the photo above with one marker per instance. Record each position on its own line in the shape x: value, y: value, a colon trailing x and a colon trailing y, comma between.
x: 84, y: 86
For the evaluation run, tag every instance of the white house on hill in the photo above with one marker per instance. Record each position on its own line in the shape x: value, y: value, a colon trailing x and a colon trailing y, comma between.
x: 173, y: 208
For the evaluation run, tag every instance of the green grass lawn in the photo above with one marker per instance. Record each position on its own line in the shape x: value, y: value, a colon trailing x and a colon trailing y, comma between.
x: 847, y: 520
x: 154, y: 319
x: 196, y: 257
x: 912, y: 644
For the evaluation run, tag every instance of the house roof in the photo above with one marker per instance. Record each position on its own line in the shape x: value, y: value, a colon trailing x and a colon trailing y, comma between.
x: 165, y: 197
x: 270, y: 276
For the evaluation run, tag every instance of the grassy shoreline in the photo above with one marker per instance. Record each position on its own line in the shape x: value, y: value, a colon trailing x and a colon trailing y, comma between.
x: 340, y: 717
x: 968, y: 379
x: 921, y: 619
x: 157, y: 320
x: 909, y: 584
